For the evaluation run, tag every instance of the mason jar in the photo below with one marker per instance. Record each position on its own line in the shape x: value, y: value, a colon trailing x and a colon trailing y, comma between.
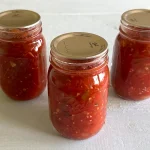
x: 78, y: 84
x: 131, y: 56
x: 22, y: 54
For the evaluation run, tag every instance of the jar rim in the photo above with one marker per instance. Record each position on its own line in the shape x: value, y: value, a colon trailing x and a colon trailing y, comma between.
x: 20, y: 34
x: 82, y: 68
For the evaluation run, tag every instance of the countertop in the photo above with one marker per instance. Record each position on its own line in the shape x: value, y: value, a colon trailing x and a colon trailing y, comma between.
x: 26, y: 125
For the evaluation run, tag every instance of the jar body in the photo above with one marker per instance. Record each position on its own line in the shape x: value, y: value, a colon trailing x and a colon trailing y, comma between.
x: 23, y: 67
x: 131, y: 64
x: 78, y: 101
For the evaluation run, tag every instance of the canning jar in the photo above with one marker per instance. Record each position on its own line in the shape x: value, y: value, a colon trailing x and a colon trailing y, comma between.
x: 131, y: 58
x: 78, y: 84
x: 22, y: 54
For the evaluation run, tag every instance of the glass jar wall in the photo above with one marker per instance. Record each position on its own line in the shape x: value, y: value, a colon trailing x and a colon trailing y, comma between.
x: 131, y: 57
x: 22, y: 54
x: 78, y: 84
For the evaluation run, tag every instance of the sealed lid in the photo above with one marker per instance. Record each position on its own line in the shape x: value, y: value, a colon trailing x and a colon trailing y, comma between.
x: 79, y: 45
x: 18, y: 19
x: 137, y: 18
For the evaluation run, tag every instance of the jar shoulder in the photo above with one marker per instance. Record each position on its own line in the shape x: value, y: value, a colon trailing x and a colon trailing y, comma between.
x: 83, y: 81
x: 127, y: 46
x: 22, y: 48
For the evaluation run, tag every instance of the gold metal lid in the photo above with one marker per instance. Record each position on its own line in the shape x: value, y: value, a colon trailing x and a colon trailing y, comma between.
x: 137, y: 18
x: 18, y: 19
x: 78, y: 45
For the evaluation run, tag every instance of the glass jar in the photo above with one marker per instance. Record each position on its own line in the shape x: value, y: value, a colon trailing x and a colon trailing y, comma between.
x: 78, y: 84
x: 131, y: 58
x: 22, y: 54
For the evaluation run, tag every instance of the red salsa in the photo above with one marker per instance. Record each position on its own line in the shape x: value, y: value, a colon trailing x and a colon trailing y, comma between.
x: 131, y: 59
x: 78, y: 89
x: 22, y: 56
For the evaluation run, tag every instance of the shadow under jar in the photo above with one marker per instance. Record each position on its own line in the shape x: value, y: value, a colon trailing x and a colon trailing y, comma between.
x: 78, y: 84
x: 22, y: 54
x: 131, y: 57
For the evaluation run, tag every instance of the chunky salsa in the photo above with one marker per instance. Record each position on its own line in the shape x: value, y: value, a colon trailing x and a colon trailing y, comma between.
x: 131, y: 58
x: 131, y: 66
x: 23, y: 68
x: 78, y: 84
x: 22, y: 54
x: 78, y: 101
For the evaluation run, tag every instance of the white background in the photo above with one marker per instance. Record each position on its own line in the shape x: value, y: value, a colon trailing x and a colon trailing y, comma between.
x: 26, y: 125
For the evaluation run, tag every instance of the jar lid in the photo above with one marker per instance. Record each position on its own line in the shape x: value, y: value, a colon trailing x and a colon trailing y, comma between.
x: 78, y: 46
x: 18, y: 19
x: 137, y: 18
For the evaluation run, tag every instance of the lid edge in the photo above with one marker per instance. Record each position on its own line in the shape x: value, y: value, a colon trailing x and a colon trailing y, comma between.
x: 21, y: 27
